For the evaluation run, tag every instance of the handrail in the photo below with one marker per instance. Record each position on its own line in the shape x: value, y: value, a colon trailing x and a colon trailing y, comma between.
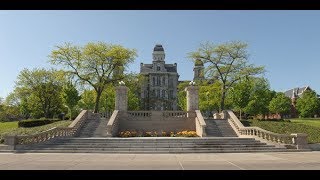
x: 113, y: 124
x: 54, y: 132
x: 200, y: 124
x: 297, y: 140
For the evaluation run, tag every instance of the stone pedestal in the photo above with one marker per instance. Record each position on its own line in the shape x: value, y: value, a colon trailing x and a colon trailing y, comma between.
x: 121, y: 102
x: 300, y: 140
x: 192, y: 98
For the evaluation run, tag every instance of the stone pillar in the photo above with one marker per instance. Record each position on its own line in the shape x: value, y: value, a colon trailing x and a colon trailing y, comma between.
x: 300, y: 140
x: 192, y: 98
x: 121, y: 102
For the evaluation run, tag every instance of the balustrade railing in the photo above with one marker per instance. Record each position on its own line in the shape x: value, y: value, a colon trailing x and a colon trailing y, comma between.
x: 299, y: 141
x: 113, y: 124
x: 71, y: 130
x: 140, y: 113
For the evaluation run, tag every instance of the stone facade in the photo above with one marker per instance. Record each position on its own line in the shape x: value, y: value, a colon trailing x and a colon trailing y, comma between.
x: 159, y: 90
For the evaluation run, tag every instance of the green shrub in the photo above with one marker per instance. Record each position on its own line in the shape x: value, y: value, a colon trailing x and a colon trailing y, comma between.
x: 36, y: 122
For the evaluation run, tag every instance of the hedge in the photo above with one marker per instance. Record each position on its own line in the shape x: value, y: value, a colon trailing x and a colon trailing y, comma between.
x: 36, y: 122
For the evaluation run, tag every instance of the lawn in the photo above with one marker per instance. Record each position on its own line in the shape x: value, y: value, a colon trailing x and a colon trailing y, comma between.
x: 12, y: 128
x: 308, y: 126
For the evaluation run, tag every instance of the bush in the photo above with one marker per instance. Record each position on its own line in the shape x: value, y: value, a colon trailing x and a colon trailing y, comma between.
x: 36, y: 122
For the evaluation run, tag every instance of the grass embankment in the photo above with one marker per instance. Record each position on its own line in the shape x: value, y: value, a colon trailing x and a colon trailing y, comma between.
x: 11, y: 128
x: 308, y: 126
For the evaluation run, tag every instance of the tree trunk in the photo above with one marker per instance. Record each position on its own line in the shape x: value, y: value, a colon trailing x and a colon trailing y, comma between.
x: 240, y: 114
x: 97, y: 103
x: 223, y: 96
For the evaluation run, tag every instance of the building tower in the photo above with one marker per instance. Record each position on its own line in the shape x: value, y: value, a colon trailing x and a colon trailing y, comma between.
x: 198, y: 70
x: 159, y: 90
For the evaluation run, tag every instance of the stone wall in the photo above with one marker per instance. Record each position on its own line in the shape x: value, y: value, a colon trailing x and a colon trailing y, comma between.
x: 157, y: 120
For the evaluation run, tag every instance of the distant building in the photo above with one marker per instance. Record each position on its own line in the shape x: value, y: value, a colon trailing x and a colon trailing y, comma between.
x: 293, y: 94
x: 159, y: 90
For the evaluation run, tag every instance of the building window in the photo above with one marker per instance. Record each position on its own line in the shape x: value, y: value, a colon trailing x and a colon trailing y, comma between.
x: 163, y: 93
x: 159, y: 95
x: 170, y: 83
x: 163, y: 81
x: 158, y: 81
x: 171, y: 94
x: 153, y: 93
x: 158, y: 68
x: 153, y: 81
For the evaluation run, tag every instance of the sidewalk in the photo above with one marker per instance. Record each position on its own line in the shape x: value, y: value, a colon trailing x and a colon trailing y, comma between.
x: 214, y: 161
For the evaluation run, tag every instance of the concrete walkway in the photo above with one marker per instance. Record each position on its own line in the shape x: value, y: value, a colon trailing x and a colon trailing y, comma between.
x: 215, y: 161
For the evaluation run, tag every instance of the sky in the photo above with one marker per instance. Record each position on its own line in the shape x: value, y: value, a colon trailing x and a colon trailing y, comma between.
x: 287, y: 43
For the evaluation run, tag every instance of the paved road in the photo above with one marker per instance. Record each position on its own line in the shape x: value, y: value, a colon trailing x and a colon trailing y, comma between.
x: 214, y: 161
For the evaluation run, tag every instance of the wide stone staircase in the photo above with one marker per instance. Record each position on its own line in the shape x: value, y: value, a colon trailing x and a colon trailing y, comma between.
x: 94, y: 128
x: 221, y: 138
x: 151, y: 145
x: 219, y: 128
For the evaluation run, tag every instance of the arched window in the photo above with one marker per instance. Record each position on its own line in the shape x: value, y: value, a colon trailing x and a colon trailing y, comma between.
x: 158, y: 67
x: 153, y: 81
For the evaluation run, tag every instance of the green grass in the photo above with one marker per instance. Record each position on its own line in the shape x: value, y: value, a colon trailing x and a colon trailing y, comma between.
x: 11, y: 128
x: 308, y: 126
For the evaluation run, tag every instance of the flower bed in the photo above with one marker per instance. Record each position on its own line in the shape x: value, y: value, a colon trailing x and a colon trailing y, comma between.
x: 135, y: 133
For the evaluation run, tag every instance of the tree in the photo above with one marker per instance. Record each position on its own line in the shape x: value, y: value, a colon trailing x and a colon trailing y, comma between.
x: 70, y: 97
x: 260, y: 97
x: 308, y: 104
x: 209, y: 96
x: 182, y: 100
x: 240, y: 94
x: 43, y: 89
x: 87, y: 99
x: 95, y: 64
x: 280, y: 104
x: 227, y: 63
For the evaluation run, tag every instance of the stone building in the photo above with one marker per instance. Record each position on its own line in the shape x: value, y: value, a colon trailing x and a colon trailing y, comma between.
x: 159, y: 90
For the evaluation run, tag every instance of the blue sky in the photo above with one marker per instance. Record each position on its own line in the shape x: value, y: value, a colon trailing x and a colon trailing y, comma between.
x: 287, y: 43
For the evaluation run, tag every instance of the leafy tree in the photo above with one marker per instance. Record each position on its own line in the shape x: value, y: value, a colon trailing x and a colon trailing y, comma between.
x: 70, y: 97
x: 42, y: 89
x: 181, y: 95
x: 227, y: 63
x: 260, y: 98
x: 240, y: 94
x: 280, y: 104
x: 308, y: 104
x: 87, y: 99
x: 209, y: 96
x: 95, y: 64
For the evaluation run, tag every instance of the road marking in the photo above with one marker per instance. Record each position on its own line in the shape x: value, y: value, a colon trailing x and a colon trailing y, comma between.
x: 236, y: 165
x: 181, y: 165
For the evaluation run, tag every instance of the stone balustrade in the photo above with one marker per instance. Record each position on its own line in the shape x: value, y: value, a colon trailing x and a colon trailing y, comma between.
x: 297, y: 140
x: 139, y: 113
x: 200, y: 124
x: 55, y: 132
x: 176, y: 114
x: 113, y: 124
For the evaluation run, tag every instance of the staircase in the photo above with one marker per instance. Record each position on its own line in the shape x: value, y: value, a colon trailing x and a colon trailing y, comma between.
x: 151, y: 145
x: 219, y: 128
x: 94, y: 128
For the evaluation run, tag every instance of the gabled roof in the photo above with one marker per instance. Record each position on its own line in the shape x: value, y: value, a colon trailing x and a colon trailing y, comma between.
x: 297, y: 91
